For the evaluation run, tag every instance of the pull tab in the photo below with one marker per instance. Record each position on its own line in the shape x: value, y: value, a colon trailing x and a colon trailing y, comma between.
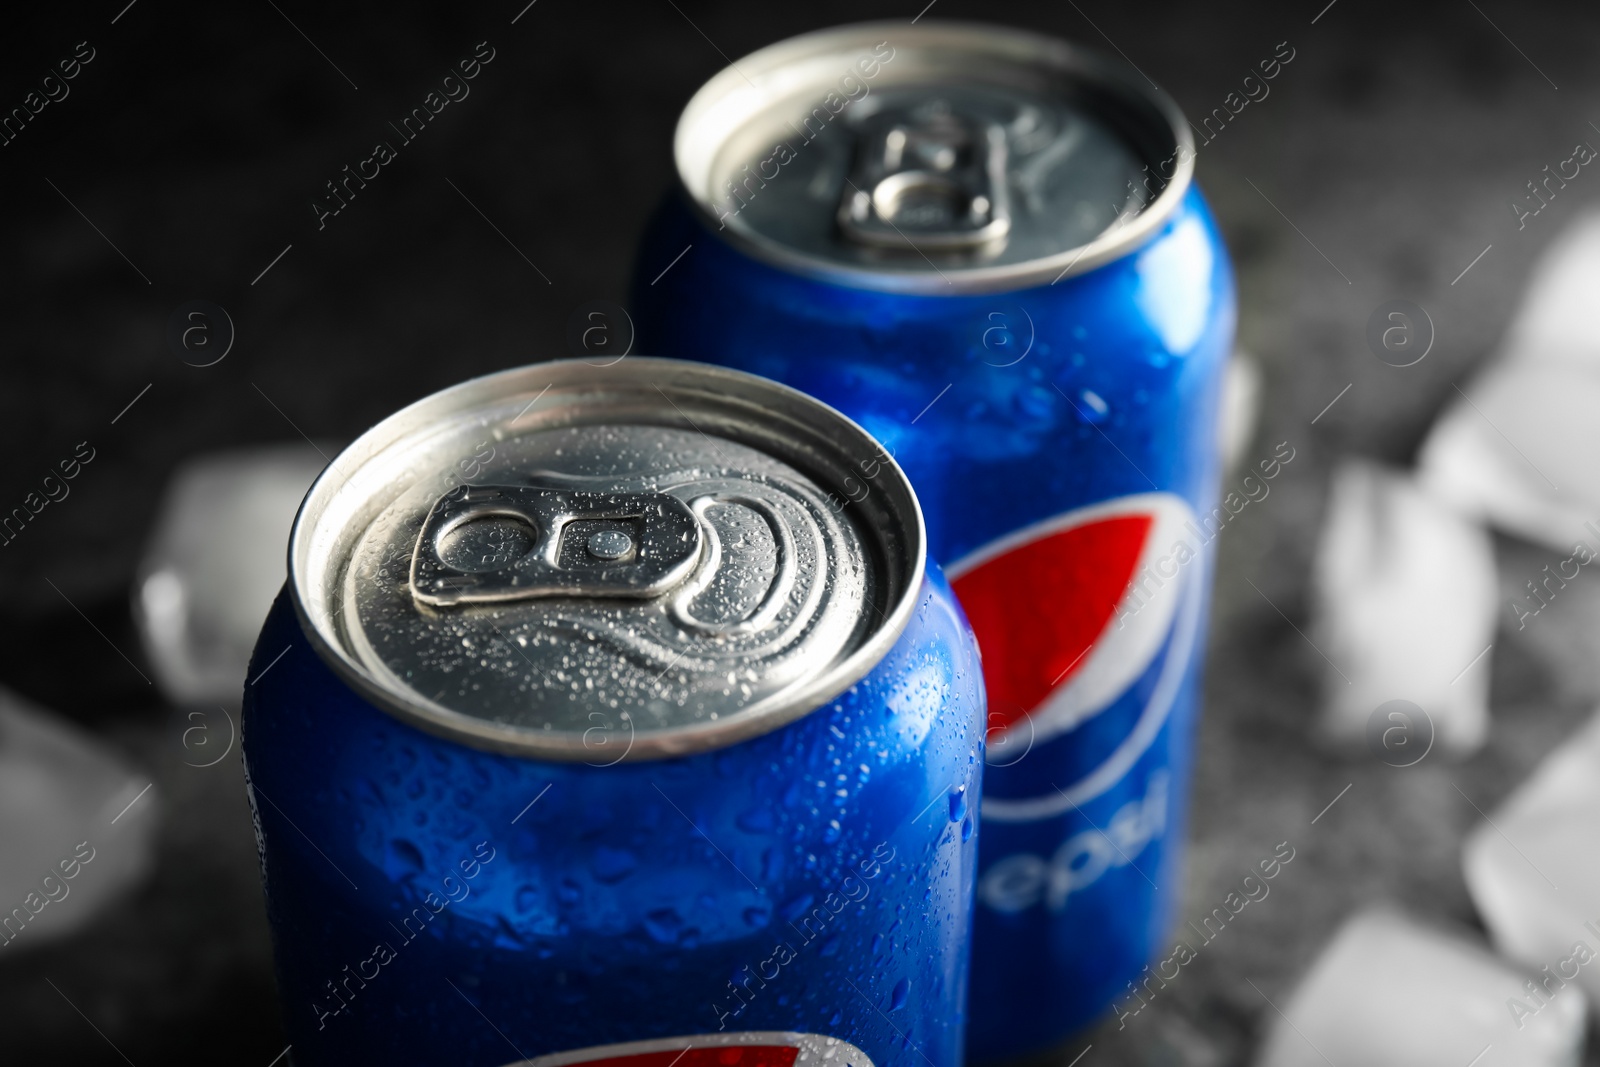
x: 486, y: 543
x: 929, y: 176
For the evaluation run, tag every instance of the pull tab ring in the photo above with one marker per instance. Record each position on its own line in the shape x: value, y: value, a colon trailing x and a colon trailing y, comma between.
x: 495, y: 543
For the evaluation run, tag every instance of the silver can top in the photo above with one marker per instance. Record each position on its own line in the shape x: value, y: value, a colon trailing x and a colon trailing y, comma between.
x: 578, y: 562
x: 933, y: 158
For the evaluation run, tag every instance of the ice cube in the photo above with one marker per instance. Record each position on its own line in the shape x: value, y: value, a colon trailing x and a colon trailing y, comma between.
x: 1390, y: 992
x: 1556, y: 321
x: 1514, y: 447
x: 214, y: 563
x: 1541, y: 838
x: 1241, y: 408
x: 1404, y: 596
x: 77, y: 826
x: 1515, y: 451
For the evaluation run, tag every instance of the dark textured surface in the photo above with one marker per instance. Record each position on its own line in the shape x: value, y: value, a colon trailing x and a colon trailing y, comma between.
x: 197, y: 138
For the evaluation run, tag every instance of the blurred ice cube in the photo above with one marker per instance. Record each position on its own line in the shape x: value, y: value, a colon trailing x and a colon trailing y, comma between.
x: 1404, y: 596
x: 1241, y: 407
x: 1517, y: 454
x: 214, y: 564
x: 1515, y: 448
x: 77, y: 826
x: 1556, y: 322
x: 1542, y: 837
x: 1389, y: 992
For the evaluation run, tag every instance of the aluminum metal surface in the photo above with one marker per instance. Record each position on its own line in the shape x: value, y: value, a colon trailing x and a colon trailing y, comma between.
x: 928, y: 174
x: 682, y: 550
x: 934, y: 158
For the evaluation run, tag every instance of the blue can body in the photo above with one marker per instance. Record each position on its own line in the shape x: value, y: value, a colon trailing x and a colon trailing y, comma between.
x: 432, y: 903
x: 1062, y: 440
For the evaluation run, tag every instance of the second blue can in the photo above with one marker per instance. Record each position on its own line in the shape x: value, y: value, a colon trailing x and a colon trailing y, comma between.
x: 985, y: 247
x: 598, y: 725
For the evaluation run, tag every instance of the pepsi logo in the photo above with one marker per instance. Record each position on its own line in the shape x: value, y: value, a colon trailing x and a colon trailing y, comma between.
x: 1069, y: 613
x: 764, y: 1049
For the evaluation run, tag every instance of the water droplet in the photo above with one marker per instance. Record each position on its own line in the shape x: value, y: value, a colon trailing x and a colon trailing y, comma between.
x: 527, y: 897
x: 569, y: 892
x: 1035, y: 403
x: 898, y: 995
x: 831, y: 834
x: 405, y: 859
x: 1093, y: 407
x: 663, y: 924
x: 966, y: 828
x: 612, y: 865
x: 797, y: 907
x: 958, y: 803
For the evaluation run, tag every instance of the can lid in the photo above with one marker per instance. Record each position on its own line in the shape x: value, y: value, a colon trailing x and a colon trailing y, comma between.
x: 579, y: 562
x: 941, y: 157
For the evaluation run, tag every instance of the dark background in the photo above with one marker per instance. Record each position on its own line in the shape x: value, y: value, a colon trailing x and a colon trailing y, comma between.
x: 199, y: 136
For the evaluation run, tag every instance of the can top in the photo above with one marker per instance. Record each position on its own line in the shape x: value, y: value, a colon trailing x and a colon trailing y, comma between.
x: 581, y: 562
x: 942, y: 157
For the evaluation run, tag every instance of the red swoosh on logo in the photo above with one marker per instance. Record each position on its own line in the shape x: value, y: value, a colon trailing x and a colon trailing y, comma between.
x: 1038, y: 609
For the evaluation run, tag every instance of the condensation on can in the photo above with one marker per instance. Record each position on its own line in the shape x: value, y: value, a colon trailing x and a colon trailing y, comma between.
x: 608, y: 707
x: 985, y: 246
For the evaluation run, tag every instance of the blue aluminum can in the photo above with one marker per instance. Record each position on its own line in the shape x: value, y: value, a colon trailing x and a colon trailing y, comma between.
x: 985, y: 247
x: 599, y: 721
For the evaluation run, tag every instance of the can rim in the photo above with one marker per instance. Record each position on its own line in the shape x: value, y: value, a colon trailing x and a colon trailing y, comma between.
x: 692, y: 160
x: 827, y: 442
